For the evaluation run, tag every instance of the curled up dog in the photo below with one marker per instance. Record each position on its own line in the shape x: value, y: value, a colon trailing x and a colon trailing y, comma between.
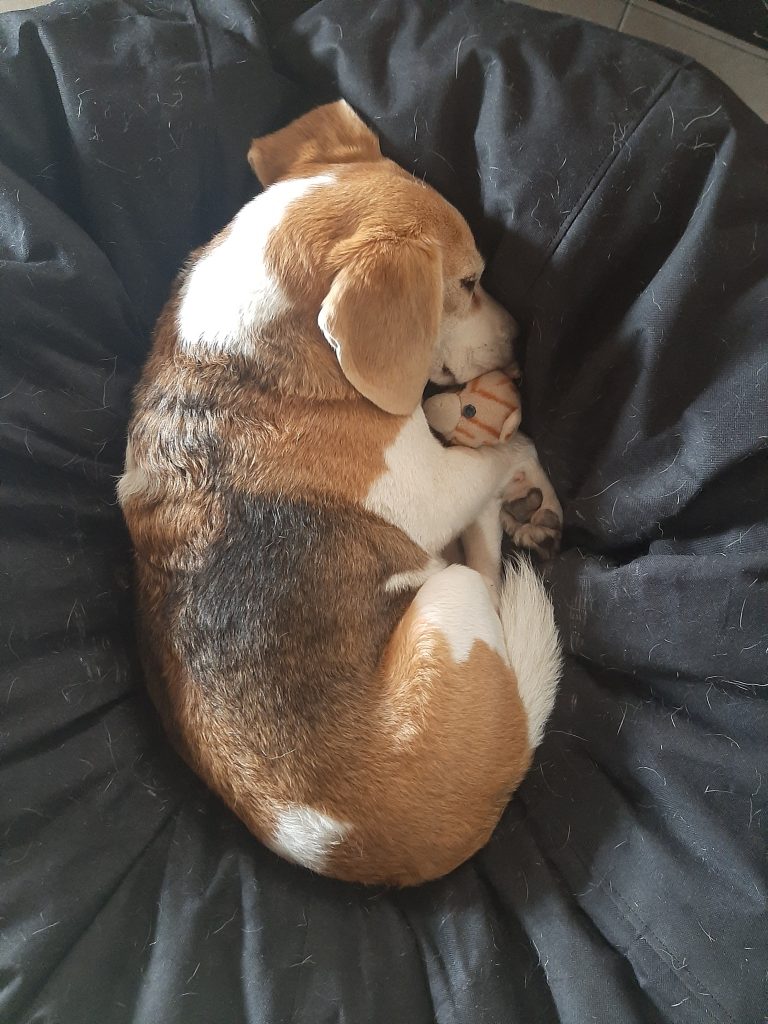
x: 365, y: 708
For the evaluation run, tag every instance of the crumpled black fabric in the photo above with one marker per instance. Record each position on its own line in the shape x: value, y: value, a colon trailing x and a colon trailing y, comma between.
x: 619, y: 194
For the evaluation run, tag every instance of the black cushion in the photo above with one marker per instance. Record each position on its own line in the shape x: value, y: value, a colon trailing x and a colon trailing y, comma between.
x: 619, y: 194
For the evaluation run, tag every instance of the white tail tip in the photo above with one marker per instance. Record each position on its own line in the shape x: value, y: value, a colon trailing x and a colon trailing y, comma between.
x: 532, y: 643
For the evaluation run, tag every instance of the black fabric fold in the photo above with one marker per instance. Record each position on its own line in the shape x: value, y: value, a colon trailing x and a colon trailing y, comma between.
x: 618, y: 192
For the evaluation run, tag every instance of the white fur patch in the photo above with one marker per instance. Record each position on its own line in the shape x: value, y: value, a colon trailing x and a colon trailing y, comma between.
x: 532, y: 644
x: 134, y: 482
x: 456, y: 602
x: 230, y: 291
x: 433, y: 493
x: 400, y: 581
x: 407, y: 495
x: 306, y: 836
x: 479, y: 340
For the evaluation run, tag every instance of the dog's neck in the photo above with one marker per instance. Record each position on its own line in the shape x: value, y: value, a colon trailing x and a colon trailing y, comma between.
x: 291, y: 356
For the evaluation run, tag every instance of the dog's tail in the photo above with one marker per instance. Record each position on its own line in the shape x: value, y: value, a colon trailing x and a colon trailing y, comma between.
x: 532, y: 643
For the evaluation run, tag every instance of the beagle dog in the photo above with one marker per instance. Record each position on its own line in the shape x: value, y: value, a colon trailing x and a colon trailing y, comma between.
x: 364, y: 707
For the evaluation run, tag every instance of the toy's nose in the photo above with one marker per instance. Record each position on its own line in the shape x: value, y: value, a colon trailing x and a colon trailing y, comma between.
x: 442, y: 412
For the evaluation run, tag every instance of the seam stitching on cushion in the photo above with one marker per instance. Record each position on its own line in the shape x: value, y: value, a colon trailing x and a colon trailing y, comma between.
x: 633, y: 919
x: 601, y: 172
x: 628, y: 913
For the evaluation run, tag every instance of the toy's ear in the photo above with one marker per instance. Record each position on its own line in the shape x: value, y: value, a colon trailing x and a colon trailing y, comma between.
x: 510, y: 425
x: 331, y: 134
x: 381, y: 317
x: 443, y: 412
x: 512, y: 422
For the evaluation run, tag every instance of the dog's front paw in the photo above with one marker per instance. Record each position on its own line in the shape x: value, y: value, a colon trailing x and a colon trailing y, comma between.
x: 533, y: 523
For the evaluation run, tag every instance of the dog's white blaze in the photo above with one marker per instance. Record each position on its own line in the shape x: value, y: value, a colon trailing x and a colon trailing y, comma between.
x: 306, y: 836
x: 456, y: 602
x: 230, y: 291
x: 134, y: 482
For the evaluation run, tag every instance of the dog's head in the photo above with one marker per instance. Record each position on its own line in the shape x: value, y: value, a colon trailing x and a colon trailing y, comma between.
x: 387, y: 266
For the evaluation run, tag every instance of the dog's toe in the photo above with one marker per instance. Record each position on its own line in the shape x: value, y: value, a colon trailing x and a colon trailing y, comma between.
x: 541, y: 533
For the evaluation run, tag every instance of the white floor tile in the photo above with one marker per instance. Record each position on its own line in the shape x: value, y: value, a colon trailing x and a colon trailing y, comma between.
x: 744, y: 68
x: 601, y: 12
x: 20, y: 5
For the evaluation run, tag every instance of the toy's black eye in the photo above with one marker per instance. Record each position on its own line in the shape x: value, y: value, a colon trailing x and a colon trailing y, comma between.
x: 468, y: 412
x: 469, y: 284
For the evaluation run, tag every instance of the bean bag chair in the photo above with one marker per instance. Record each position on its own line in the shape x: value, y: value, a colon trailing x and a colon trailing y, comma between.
x: 619, y: 193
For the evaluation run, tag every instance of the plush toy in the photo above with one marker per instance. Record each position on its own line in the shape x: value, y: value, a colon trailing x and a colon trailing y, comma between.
x: 486, y: 410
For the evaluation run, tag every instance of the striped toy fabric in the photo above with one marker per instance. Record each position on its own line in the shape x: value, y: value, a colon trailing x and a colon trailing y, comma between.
x: 485, y: 410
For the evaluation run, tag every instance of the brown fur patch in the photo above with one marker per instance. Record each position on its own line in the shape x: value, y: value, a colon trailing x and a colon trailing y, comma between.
x: 373, y: 202
x: 326, y: 135
x: 451, y: 748
x: 422, y: 760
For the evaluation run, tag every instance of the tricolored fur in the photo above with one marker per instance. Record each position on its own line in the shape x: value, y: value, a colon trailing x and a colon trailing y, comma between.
x: 359, y: 703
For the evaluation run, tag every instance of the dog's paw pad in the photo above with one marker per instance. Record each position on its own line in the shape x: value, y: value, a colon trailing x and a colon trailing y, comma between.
x: 521, y: 509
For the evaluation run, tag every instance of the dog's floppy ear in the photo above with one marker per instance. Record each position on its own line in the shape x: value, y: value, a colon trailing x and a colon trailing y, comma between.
x: 332, y: 134
x: 381, y: 317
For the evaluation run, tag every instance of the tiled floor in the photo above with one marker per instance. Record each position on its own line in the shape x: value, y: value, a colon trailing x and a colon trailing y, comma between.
x: 743, y: 67
x: 19, y: 5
